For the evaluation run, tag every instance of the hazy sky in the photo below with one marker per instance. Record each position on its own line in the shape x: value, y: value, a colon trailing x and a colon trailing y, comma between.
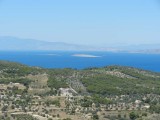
x: 94, y: 22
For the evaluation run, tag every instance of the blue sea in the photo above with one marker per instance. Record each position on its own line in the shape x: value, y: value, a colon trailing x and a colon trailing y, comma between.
x: 81, y: 60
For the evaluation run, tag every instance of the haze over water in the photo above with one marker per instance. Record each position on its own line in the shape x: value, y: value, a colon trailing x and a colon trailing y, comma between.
x: 81, y: 60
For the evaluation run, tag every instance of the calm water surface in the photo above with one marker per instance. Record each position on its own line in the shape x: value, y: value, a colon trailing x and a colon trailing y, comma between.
x: 59, y: 59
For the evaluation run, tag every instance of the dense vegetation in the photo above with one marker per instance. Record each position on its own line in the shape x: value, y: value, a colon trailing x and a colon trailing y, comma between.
x: 57, y: 78
x: 11, y: 69
x: 111, y: 84
x: 107, y: 84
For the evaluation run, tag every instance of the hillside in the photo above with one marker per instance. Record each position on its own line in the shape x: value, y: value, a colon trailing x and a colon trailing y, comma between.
x: 111, y: 86
x: 105, y: 81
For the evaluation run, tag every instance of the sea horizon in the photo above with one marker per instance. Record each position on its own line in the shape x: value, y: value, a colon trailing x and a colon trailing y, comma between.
x: 82, y: 59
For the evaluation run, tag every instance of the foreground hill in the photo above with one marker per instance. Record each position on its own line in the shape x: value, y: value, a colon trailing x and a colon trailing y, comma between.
x: 105, y: 81
x: 107, y: 93
x: 111, y: 80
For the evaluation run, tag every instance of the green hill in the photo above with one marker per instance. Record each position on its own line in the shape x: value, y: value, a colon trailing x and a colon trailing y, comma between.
x: 111, y: 80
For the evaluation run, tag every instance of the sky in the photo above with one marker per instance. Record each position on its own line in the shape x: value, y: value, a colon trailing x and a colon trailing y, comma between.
x: 85, y: 22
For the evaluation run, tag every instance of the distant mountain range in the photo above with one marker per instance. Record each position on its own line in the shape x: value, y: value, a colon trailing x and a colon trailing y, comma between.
x: 13, y: 43
x: 18, y: 44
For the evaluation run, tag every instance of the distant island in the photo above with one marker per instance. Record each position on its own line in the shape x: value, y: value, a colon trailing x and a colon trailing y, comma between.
x: 85, y: 55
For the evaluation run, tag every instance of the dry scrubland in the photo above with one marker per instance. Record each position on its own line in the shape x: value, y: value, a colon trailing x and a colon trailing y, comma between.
x: 108, y: 93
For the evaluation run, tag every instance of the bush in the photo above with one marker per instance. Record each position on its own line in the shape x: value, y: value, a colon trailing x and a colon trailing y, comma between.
x: 133, y: 115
